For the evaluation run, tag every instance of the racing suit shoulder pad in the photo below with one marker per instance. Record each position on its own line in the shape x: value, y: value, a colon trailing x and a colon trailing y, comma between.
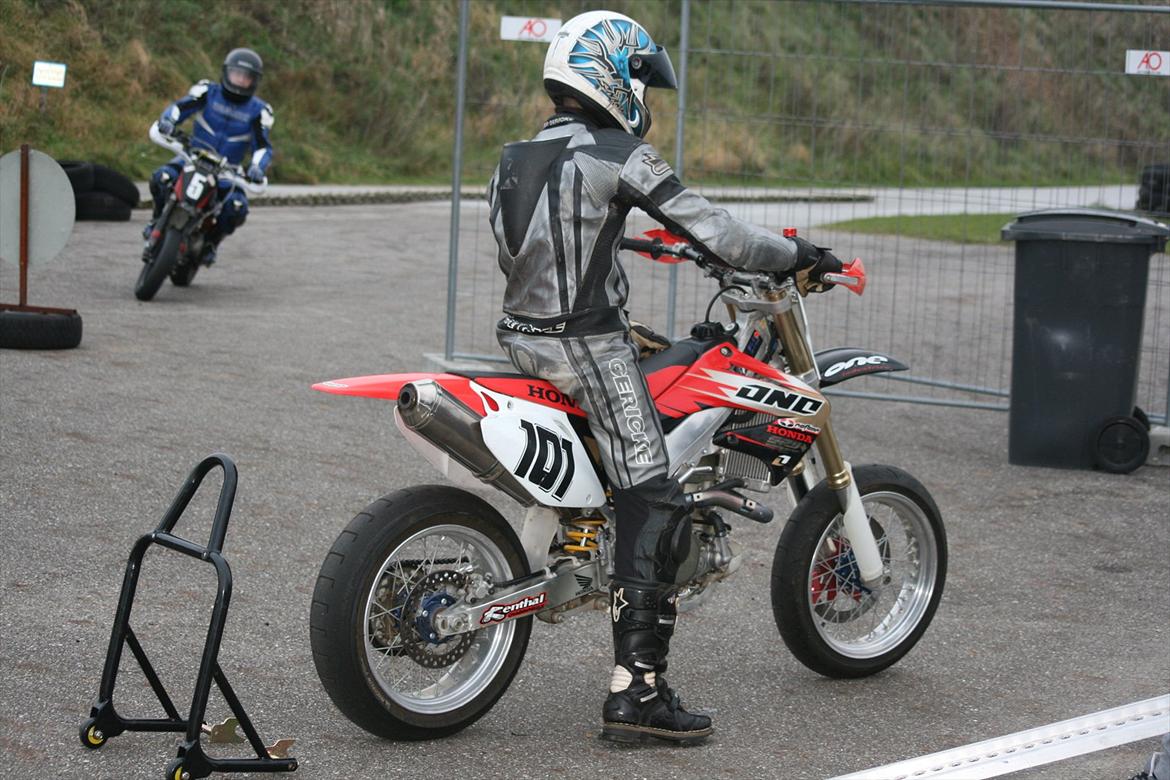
x: 199, y: 88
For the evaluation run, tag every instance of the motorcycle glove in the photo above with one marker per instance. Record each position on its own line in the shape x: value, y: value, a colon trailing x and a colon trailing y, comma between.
x: 255, y: 174
x: 166, y: 126
x: 814, y: 262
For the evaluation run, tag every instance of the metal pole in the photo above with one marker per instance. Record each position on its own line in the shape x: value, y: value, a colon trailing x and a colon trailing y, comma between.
x: 684, y: 40
x: 24, y: 225
x: 456, y: 178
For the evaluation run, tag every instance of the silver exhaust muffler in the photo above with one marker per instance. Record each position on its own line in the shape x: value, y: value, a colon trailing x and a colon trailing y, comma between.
x: 445, y: 422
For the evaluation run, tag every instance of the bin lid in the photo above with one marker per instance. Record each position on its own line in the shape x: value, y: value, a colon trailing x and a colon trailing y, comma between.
x: 1110, y: 227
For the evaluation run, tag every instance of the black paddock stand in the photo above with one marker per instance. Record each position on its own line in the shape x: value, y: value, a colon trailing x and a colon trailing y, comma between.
x: 104, y: 722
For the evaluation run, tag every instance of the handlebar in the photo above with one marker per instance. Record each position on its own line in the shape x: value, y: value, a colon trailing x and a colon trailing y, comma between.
x: 657, y: 248
x: 852, y: 276
x: 684, y: 251
x: 179, y: 143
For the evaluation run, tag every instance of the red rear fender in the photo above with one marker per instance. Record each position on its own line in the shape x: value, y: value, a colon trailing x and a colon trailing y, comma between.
x: 388, y: 386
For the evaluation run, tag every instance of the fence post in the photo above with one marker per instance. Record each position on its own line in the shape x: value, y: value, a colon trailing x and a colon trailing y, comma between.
x: 684, y: 39
x: 456, y: 178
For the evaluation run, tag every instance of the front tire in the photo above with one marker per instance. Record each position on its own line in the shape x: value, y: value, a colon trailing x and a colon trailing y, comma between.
x: 182, y: 274
x: 404, y: 552
x: 155, y: 272
x: 829, y: 620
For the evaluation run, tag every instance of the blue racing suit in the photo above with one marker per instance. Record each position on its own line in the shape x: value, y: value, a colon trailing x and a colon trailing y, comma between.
x: 232, y: 128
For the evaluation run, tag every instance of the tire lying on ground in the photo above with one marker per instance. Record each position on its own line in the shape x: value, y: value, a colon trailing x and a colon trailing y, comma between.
x: 96, y: 205
x: 110, y: 181
x: 80, y: 175
x: 39, y: 330
x: 1154, y: 189
x: 87, y: 177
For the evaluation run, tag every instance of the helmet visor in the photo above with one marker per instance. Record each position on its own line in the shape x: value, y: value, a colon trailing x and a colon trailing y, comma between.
x: 240, y: 78
x: 654, y: 70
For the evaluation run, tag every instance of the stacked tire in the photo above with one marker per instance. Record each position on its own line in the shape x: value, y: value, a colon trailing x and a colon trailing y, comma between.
x: 1154, y: 189
x: 101, y: 193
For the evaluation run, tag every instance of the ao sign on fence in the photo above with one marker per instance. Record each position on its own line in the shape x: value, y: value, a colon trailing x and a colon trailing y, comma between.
x: 523, y: 28
x: 1147, y: 63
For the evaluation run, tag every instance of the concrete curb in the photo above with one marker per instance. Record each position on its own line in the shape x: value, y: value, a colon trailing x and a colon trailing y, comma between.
x: 425, y: 195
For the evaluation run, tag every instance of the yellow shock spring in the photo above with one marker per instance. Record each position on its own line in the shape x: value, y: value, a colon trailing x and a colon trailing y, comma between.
x: 582, y: 534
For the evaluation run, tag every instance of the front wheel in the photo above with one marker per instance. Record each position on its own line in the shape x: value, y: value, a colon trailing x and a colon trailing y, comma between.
x: 160, y: 264
x: 408, y: 554
x: 183, y: 273
x: 830, y: 621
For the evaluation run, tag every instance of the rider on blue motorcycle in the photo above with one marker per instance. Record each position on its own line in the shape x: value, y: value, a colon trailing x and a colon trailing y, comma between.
x: 229, y: 120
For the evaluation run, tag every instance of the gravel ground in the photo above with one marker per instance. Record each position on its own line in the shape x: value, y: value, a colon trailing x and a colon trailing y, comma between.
x: 1055, y: 605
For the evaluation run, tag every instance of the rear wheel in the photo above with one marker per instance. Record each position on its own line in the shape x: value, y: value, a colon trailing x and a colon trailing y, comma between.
x: 830, y: 621
x: 153, y: 273
x: 406, y: 555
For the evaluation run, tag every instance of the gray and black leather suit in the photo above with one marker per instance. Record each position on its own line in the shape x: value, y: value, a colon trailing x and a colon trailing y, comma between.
x: 558, y: 205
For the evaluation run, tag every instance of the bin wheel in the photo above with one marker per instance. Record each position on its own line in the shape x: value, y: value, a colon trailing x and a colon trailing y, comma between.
x: 1121, y: 445
x: 91, y: 736
x: 1140, y: 415
x: 175, y: 770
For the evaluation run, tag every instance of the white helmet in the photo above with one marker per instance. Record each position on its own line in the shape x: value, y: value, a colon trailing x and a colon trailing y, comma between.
x: 606, y: 60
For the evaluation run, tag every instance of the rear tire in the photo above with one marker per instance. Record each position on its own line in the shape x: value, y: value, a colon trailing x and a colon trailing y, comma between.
x: 153, y: 273
x: 366, y: 612
x: 830, y: 622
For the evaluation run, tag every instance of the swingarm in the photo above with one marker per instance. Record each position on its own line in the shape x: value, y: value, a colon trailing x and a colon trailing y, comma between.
x: 554, y: 586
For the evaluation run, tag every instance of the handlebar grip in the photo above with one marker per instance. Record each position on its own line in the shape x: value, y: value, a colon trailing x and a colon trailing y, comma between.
x: 638, y: 245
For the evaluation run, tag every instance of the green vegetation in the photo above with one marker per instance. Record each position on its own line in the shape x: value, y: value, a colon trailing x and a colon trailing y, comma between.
x: 815, y: 94
x: 963, y: 228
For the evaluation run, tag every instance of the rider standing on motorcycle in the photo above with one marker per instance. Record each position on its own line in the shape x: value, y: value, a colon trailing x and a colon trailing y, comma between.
x: 558, y: 210
x: 229, y: 120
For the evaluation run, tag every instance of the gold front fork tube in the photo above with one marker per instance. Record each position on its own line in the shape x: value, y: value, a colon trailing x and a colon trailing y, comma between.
x: 801, y: 362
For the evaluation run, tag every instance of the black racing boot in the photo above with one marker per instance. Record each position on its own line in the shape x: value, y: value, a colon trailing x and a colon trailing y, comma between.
x: 640, y: 705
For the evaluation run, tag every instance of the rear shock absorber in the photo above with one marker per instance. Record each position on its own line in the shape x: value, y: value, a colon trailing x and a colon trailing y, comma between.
x: 581, y: 534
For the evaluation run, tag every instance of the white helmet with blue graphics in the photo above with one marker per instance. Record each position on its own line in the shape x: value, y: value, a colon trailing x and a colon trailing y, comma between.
x: 605, y: 60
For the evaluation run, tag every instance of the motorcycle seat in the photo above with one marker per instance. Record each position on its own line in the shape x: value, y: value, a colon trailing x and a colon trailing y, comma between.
x: 683, y: 352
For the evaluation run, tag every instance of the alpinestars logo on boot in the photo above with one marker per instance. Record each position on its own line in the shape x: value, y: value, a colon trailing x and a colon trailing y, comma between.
x: 619, y: 603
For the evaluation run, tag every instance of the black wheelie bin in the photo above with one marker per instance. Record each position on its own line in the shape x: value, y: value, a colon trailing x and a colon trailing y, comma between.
x: 1080, y: 294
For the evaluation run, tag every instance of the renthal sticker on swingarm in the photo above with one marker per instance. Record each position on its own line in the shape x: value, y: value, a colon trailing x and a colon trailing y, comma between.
x: 500, y: 612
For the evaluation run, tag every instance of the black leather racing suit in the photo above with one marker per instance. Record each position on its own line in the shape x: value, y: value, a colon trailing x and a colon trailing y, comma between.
x: 559, y: 204
x: 558, y: 210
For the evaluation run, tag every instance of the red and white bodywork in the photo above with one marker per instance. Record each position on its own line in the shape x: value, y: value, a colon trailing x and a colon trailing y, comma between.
x: 526, y: 424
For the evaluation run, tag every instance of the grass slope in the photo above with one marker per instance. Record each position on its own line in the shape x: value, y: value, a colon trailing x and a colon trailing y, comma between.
x: 814, y: 94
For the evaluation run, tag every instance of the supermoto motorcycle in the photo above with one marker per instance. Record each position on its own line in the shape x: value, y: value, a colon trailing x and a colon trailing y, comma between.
x: 175, y: 245
x: 423, y: 607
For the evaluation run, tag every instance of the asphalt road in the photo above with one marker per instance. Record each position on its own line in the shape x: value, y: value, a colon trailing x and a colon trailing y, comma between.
x: 1055, y: 605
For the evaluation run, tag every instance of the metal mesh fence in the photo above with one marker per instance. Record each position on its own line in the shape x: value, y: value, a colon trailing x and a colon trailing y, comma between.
x: 944, y: 121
